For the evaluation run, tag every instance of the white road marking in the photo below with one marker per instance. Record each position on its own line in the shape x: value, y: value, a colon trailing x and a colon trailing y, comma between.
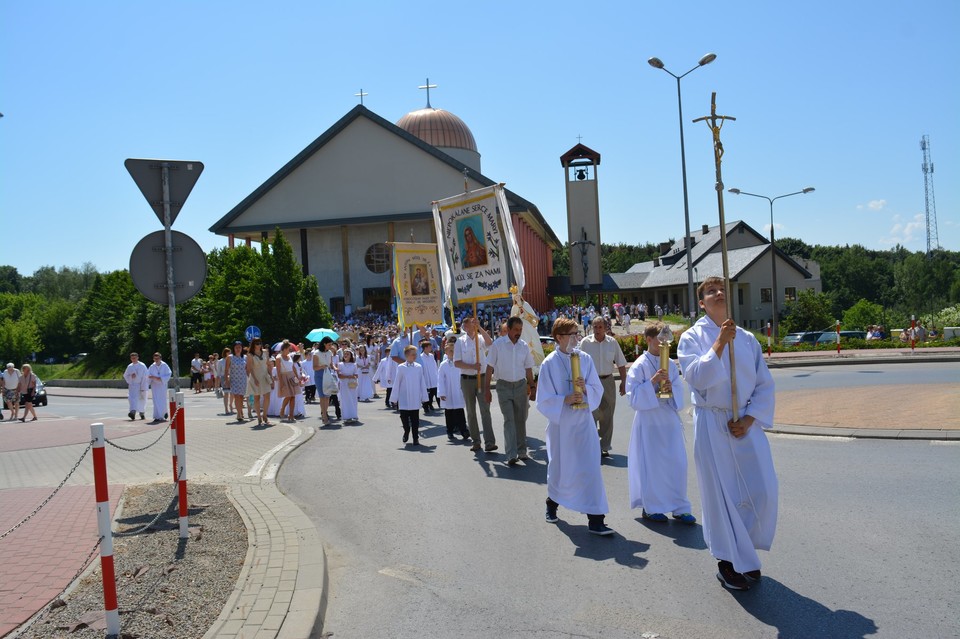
x: 258, y: 466
x: 942, y: 442
x: 809, y: 437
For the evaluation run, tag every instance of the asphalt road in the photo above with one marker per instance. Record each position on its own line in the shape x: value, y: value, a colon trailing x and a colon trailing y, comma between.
x: 814, y: 377
x: 435, y: 542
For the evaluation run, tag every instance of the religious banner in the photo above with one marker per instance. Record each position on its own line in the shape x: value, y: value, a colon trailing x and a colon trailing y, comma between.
x: 416, y: 280
x: 477, y: 242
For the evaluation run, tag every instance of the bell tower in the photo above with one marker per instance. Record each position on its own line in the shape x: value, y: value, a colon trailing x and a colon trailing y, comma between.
x: 583, y: 218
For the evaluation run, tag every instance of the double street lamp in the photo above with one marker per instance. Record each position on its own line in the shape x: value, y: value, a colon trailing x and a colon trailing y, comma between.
x: 656, y: 63
x: 773, y: 248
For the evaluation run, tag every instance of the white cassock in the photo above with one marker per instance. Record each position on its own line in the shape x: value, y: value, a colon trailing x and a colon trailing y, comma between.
x: 347, y: 395
x: 657, y: 457
x: 448, y: 385
x: 573, y: 448
x: 365, y: 386
x: 429, y: 364
x: 409, y: 388
x: 738, y: 485
x: 158, y: 390
x: 529, y: 333
x: 273, y: 407
x: 137, y: 384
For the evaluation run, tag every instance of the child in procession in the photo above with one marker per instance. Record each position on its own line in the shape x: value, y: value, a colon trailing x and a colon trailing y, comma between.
x: 409, y: 393
x: 448, y: 387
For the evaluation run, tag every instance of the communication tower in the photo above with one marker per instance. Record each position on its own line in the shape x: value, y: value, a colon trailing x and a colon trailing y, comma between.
x: 933, y: 242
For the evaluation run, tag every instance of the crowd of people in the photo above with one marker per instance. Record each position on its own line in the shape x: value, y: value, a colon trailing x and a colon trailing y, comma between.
x: 19, y: 389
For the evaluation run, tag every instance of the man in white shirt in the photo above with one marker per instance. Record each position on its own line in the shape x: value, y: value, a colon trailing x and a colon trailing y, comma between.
x: 511, y: 359
x: 196, y: 373
x: 137, y: 384
x: 11, y: 392
x: 605, y: 352
x: 470, y: 356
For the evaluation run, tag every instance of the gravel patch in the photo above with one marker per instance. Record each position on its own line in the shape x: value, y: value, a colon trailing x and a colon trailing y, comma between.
x: 167, y: 588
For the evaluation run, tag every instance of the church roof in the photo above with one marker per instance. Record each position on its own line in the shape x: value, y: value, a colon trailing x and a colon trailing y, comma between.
x: 580, y: 152
x: 517, y: 203
x: 439, y: 128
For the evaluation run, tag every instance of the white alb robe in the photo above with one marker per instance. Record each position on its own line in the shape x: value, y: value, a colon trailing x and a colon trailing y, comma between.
x: 347, y: 395
x: 137, y: 383
x: 299, y: 405
x: 158, y: 389
x: 574, y: 479
x: 365, y: 386
x: 738, y: 484
x: 429, y: 364
x: 448, y: 385
x: 657, y: 457
x: 409, y: 388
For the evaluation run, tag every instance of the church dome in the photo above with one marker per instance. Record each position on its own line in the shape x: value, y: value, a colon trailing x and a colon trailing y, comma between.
x: 438, y: 128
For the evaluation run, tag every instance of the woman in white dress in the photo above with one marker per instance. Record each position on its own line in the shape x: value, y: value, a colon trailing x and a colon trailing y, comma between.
x: 299, y: 406
x: 288, y: 384
x: 365, y: 387
x: 348, y: 372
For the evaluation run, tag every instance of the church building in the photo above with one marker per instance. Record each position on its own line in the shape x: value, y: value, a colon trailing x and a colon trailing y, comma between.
x: 366, y: 182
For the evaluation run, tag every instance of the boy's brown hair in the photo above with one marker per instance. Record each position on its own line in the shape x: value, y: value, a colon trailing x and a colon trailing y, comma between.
x: 713, y: 279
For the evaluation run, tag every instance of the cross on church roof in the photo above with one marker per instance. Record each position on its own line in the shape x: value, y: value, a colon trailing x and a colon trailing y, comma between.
x: 579, y: 138
x: 428, y: 86
x: 360, y: 95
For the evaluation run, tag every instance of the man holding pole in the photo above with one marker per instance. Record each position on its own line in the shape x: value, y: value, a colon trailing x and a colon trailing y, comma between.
x: 738, y: 485
x: 470, y: 356
x: 510, y: 358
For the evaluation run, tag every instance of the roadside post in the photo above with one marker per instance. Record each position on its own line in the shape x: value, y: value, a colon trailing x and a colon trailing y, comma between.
x: 913, y: 332
x: 838, y: 337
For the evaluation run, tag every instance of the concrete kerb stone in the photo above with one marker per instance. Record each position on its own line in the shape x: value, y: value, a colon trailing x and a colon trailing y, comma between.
x: 865, y: 433
x: 279, y: 534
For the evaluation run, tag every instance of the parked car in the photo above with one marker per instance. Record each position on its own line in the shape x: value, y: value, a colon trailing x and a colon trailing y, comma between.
x: 40, y: 396
x: 546, y: 339
x: 808, y: 337
x: 830, y: 337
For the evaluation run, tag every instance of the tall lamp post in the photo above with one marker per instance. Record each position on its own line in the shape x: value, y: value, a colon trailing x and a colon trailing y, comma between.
x: 773, y: 249
x: 656, y: 63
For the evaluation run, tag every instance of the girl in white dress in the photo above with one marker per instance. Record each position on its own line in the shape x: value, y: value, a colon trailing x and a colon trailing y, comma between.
x: 348, y: 372
x: 299, y: 406
x: 365, y: 387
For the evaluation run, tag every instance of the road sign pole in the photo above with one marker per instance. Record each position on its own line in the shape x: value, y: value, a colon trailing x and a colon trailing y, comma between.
x: 171, y: 292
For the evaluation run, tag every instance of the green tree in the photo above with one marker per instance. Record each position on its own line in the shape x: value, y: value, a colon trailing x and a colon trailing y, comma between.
x: 18, y: 339
x: 862, y: 314
x: 10, y: 280
x: 793, y: 246
x: 810, y: 312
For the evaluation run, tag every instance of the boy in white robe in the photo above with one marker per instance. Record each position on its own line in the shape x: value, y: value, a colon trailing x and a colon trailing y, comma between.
x: 137, y: 383
x: 738, y: 485
x: 657, y: 457
x: 574, y: 479
x: 410, y: 391
x: 159, y: 374
x: 448, y: 387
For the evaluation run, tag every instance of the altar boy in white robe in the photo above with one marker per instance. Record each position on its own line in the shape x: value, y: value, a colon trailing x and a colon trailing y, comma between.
x: 159, y: 374
x: 657, y: 457
x: 738, y: 485
x: 574, y: 479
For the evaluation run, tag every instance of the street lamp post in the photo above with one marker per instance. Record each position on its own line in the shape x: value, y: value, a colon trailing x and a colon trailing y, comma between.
x: 773, y: 248
x: 656, y: 63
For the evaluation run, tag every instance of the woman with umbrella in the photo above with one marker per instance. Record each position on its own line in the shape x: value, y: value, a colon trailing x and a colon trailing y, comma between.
x: 322, y: 362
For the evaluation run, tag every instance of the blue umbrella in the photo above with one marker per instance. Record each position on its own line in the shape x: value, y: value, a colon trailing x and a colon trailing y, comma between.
x: 318, y: 334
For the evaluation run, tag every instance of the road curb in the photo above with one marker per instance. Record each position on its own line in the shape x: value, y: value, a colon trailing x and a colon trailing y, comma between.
x: 282, y: 588
x: 901, y: 434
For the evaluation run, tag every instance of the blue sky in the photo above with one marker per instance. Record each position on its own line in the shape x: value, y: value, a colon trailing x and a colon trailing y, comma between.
x: 834, y: 95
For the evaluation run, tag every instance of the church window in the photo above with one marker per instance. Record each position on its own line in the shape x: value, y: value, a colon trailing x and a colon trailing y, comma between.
x: 377, y: 258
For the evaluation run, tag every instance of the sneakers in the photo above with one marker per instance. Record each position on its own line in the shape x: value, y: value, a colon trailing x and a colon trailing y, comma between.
x: 685, y: 518
x: 599, y: 528
x: 551, y: 516
x: 730, y: 578
x: 132, y: 415
x: 657, y: 517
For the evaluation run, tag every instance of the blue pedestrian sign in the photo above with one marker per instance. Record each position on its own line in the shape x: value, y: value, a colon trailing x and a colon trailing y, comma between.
x: 252, y: 333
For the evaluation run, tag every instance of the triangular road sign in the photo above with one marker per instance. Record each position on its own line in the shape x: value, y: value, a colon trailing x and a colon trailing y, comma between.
x: 148, y: 174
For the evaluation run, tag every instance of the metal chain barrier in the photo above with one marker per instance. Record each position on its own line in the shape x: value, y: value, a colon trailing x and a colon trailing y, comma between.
x: 55, y: 491
x: 163, y: 432
x: 144, y: 528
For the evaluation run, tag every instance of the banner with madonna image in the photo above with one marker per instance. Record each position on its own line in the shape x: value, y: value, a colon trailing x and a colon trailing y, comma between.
x: 477, y: 242
x: 416, y: 280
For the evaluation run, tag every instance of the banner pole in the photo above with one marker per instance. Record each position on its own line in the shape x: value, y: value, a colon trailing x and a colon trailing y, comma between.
x: 476, y: 342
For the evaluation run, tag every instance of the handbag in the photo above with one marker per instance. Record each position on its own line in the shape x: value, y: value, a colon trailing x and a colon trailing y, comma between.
x: 331, y: 385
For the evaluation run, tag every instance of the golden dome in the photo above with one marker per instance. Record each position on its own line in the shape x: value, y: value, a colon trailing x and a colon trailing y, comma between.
x: 438, y: 128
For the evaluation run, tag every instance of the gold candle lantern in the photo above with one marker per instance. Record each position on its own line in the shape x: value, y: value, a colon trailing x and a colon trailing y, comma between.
x: 575, y: 375
x: 665, y: 337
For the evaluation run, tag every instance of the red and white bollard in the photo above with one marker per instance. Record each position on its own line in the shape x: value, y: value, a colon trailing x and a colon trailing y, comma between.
x: 110, y: 608
x: 769, y: 345
x: 913, y: 332
x: 181, y: 450
x: 172, y: 407
x: 838, y: 337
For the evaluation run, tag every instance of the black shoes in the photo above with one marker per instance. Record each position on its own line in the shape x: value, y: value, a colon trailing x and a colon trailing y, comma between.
x: 406, y: 437
x: 730, y: 578
x: 141, y: 416
x: 513, y: 461
x: 752, y: 576
x: 551, y: 516
x: 132, y: 415
x: 490, y: 448
x: 599, y: 528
